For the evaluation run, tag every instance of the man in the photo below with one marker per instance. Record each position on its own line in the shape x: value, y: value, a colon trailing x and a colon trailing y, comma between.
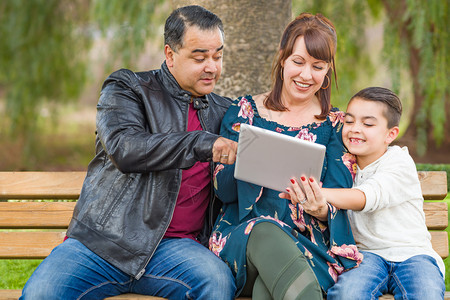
x: 146, y: 203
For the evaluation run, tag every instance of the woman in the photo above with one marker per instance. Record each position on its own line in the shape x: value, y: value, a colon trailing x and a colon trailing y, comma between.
x: 275, y: 249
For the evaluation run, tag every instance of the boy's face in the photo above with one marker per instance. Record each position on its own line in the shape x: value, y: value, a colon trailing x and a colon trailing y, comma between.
x: 365, y: 132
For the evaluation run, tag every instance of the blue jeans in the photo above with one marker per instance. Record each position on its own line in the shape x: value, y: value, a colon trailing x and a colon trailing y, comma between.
x: 418, y: 277
x: 179, y: 269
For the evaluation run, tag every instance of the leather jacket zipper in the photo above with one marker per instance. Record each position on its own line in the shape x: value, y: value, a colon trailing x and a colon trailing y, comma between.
x: 210, y: 216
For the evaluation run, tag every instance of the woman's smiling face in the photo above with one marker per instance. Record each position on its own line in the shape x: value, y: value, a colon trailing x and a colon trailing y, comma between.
x: 303, y: 75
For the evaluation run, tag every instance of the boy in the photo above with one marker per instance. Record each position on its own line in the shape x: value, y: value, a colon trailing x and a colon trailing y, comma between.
x: 385, y: 207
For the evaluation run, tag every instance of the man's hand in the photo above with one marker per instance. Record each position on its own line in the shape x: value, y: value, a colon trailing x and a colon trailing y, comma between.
x: 224, y: 151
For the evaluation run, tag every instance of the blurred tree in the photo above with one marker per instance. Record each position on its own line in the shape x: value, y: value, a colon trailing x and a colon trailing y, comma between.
x: 40, y: 56
x: 45, y: 45
x: 415, y: 40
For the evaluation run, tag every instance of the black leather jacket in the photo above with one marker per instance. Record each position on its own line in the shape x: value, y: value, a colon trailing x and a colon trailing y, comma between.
x: 130, y: 191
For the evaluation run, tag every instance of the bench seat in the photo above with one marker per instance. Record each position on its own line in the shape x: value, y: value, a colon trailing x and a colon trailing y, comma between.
x: 30, y: 229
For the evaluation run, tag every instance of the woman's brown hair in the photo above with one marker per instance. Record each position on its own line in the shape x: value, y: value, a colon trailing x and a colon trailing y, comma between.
x: 320, y: 39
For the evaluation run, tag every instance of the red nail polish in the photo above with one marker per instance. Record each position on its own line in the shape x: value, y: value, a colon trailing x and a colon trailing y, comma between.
x: 303, y: 178
x: 287, y: 190
x: 311, y: 179
x: 293, y: 181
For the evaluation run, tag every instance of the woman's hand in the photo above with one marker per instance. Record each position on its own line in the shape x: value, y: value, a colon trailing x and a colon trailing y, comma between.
x: 310, y: 197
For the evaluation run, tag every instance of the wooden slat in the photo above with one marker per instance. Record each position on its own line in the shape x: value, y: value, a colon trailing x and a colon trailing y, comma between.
x: 35, y: 214
x: 439, y: 239
x: 16, y: 215
x: 67, y: 185
x: 41, y: 185
x: 57, y: 214
x: 30, y: 244
x: 10, y: 294
x: 434, y: 184
x: 37, y: 244
x: 436, y: 215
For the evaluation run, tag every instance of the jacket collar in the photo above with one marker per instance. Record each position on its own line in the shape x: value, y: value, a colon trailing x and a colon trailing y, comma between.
x: 171, y: 85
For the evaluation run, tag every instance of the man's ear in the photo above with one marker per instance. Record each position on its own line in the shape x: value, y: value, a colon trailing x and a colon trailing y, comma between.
x: 392, y: 134
x: 168, y: 52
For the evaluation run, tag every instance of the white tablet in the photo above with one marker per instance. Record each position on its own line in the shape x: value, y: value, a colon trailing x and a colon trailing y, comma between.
x: 271, y: 159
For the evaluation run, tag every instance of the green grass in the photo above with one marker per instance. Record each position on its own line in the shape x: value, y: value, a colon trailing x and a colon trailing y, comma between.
x: 15, y: 272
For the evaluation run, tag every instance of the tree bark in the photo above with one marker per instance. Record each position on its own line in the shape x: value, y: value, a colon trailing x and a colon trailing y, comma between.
x: 252, y: 34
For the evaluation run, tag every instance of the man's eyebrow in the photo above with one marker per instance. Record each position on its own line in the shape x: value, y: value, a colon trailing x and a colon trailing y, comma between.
x: 205, y: 50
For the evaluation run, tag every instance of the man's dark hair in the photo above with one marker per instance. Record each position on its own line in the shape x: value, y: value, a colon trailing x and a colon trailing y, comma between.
x: 393, y: 105
x: 183, y: 17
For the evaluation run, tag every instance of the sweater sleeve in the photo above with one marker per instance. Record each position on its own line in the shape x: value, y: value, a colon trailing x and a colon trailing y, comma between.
x: 393, y: 182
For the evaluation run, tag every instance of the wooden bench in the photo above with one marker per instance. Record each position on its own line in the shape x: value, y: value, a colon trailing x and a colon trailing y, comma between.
x: 49, y: 220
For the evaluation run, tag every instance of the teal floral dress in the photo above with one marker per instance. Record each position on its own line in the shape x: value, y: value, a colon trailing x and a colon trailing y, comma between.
x: 328, y: 246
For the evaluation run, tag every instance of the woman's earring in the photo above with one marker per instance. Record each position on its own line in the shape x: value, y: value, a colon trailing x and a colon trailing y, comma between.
x: 329, y: 82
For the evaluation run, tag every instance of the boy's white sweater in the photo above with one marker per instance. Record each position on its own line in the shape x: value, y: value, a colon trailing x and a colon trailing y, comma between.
x: 392, y: 223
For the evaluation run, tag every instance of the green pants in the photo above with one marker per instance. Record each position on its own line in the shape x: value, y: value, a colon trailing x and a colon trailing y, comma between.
x: 276, y: 269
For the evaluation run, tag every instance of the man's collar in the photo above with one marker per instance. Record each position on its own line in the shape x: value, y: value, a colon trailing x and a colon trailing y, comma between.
x: 171, y: 85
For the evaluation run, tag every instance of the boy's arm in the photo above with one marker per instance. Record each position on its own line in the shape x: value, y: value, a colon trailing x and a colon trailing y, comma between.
x: 353, y: 199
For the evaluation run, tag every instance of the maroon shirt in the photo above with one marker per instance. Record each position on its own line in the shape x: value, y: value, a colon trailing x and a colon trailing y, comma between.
x: 193, y: 198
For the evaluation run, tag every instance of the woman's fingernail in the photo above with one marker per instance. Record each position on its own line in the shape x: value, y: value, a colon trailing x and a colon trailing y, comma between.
x: 303, y: 178
x: 311, y: 179
x: 293, y: 181
x: 287, y: 190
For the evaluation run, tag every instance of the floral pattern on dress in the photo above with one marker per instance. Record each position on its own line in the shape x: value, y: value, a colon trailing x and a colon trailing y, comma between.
x: 336, y: 117
x: 249, y: 227
x: 334, y: 270
x: 305, y: 135
x: 246, y: 110
x: 218, y: 168
x: 297, y: 216
x: 349, y: 161
x: 348, y: 251
x: 216, y: 243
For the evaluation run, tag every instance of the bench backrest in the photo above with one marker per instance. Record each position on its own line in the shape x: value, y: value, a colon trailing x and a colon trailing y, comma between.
x: 31, y: 229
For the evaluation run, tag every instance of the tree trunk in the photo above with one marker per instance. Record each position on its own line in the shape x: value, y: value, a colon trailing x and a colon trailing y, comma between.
x: 252, y: 34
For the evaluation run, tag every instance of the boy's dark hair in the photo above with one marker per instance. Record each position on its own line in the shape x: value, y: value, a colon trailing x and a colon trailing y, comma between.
x: 393, y: 105
x: 183, y: 17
